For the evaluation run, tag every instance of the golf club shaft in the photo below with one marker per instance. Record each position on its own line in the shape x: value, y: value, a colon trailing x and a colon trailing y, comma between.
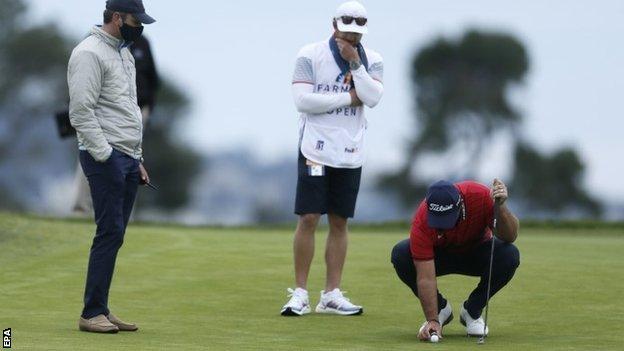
x: 489, y: 285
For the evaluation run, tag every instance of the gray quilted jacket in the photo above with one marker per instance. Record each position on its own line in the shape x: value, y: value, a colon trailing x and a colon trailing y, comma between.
x: 102, y: 93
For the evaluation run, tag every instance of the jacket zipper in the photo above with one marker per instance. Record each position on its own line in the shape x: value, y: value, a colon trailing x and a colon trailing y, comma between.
x: 129, y: 77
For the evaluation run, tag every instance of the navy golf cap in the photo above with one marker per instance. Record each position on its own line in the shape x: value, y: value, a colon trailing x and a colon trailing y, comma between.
x: 134, y: 7
x: 442, y: 205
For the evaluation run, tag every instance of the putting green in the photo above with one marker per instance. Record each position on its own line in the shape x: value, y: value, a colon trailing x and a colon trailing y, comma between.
x: 221, y: 289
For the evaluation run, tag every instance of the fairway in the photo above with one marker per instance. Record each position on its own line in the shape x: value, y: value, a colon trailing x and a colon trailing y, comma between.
x: 222, y: 289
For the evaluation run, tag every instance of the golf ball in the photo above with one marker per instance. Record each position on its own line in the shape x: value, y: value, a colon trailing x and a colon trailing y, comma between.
x: 434, y: 338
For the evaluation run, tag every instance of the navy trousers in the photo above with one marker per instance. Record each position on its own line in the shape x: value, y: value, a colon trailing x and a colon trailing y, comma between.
x: 113, y: 187
x: 474, y: 263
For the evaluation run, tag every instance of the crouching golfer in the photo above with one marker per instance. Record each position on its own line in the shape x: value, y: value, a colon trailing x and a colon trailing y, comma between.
x: 451, y: 234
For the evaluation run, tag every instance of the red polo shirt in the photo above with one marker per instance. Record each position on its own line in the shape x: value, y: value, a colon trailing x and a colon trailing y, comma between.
x: 472, y: 229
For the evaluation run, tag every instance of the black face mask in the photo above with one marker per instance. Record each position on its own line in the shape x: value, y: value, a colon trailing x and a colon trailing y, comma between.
x: 129, y: 33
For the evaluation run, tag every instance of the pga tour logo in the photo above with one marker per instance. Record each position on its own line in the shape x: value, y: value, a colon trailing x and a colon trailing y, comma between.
x: 319, y: 145
x: 440, y: 208
x: 6, y: 338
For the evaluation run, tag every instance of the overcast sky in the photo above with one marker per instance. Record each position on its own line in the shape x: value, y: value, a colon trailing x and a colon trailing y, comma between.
x: 235, y: 59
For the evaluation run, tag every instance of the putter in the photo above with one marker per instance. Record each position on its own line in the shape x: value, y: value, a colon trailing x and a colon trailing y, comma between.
x: 487, y: 296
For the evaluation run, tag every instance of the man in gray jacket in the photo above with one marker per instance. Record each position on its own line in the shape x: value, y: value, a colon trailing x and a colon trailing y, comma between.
x: 104, y: 111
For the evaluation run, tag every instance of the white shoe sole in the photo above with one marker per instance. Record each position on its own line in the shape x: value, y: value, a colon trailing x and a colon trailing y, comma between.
x: 328, y: 310
x: 290, y: 312
x: 463, y: 322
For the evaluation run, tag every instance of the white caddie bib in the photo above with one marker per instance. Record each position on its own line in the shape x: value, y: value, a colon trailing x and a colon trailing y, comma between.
x: 334, y: 138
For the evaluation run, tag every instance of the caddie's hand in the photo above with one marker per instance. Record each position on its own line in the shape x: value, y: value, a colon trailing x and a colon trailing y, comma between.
x: 355, y: 100
x: 431, y: 326
x: 499, y: 191
x: 347, y: 51
x: 143, y: 174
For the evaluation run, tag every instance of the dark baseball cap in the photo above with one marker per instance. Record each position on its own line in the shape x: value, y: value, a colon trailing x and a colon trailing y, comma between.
x: 443, y: 201
x: 134, y: 7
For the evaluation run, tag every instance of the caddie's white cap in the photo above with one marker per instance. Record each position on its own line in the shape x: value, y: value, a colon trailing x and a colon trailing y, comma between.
x: 352, y: 9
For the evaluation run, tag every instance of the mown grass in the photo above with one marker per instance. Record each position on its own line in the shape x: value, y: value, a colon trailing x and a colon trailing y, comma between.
x: 221, y: 289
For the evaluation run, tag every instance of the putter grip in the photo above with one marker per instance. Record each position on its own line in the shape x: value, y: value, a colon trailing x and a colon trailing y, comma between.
x: 496, y: 208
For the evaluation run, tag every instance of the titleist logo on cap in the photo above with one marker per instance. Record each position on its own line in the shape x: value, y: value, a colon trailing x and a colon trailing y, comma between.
x: 440, y: 208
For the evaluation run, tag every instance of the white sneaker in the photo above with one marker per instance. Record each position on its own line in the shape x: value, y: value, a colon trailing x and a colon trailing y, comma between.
x: 299, y: 303
x: 334, y: 302
x: 445, y: 316
x: 474, y: 327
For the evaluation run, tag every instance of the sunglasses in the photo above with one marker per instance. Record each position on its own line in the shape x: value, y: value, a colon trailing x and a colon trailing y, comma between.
x: 360, y: 21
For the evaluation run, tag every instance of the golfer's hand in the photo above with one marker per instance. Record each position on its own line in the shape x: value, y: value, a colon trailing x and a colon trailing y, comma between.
x: 355, y: 100
x: 425, y: 334
x: 499, y: 191
x: 347, y: 51
x: 143, y: 174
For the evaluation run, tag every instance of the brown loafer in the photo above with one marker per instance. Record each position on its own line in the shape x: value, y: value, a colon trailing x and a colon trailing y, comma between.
x: 123, y: 326
x: 97, y: 324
